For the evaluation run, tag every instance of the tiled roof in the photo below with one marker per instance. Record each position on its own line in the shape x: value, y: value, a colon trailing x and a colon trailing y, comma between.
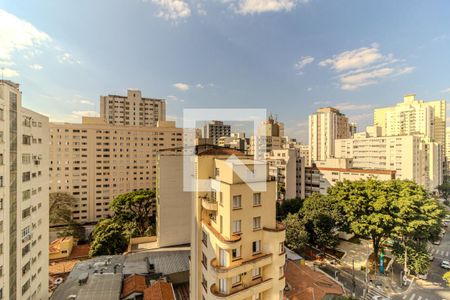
x: 307, y: 284
x: 62, y: 267
x: 160, y: 290
x: 133, y: 284
x: 55, y: 246
x: 222, y: 151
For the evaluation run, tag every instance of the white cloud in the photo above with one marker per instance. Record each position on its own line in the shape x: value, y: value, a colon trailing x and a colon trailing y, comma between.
x: 16, y: 35
x: 199, y: 85
x: 303, y: 62
x: 447, y: 90
x: 6, y: 72
x: 181, y: 86
x: 364, y: 66
x: 309, y: 89
x: 363, y: 118
x: 174, y: 98
x: 322, y: 102
x: 87, y: 102
x: 36, y: 67
x: 68, y: 58
x: 352, y: 106
x: 201, y: 11
x: 85, y: 113
x: 173, y: 9
x: 246, y: 7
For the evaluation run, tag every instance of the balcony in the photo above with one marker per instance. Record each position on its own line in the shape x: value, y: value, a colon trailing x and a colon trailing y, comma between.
x: 209, y: 204
x: 278, y: 227
x: 243, y: 291
x: 241, y: 266
x: 222, y: 242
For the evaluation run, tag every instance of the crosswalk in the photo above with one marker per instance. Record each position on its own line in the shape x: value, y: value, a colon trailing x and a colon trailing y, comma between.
x: 375, y: 292
x: 413, y: 297
x: 439, y: 252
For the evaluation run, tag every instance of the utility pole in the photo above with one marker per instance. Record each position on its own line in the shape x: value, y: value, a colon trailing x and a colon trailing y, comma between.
x: 353, y: 278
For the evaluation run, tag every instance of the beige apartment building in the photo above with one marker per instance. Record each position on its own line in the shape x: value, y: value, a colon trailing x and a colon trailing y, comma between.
x: 325, y: 126
x: 215, y: 130
x: 412, y: 157
x: 24, y: 234
x: 269, y: 137
x: 288, y: 167
x: 414, y: 117
x: 237, y: 247
x: 132, y: 110
x: 96, y: 161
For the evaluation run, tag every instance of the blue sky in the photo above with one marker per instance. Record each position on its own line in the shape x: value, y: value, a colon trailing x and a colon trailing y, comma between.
x: 289, y: 56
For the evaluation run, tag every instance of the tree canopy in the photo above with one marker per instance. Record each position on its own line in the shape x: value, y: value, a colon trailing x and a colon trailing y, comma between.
x: 108, y: 238
x: 60, y: 208
x: 296, y: 234
x: 288, y: 206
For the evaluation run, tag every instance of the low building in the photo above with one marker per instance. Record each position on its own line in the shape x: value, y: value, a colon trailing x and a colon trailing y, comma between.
x: 306, y: 284
x: 61, y: 248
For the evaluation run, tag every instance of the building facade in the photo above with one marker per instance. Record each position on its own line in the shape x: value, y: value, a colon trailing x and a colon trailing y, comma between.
x: 325, y: 126
x: 412, y: 157
x: 414, y: 117
x: 95, y: 161
x: 214, y: 130
x: 132, y: 110
x: 237, y: 247
x: 288, y: 167
x: 24, y: 198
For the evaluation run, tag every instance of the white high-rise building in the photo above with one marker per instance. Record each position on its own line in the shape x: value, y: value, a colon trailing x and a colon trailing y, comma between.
x: 414, y: 117
x: 215, y: 130
x: 412, y: 157
x: 24, y: 234
x: 325, y: 126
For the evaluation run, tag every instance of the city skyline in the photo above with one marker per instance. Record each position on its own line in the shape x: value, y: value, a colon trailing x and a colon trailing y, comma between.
x: 290, y: 57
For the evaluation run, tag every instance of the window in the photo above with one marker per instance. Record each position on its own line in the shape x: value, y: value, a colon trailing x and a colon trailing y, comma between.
x: 204, y: 283
x: 256, y: 223
x: 26, y: 213
x: 221, y: 198
x: 257, y: 199
x: 26, y: 249
x: 237, y: 226
x: 1, y: 201
x: 205, y: 239
x: 1, y: 158
x: 26, y: 139
x: 236, y: 253
x: 204, y: 261
x: 256, y: 247
x: 256, y: 272
x: 237, y: 203
x: 1, y: 183
x: 281, y: 248
x: 222, y: 285
x: 26, y: 195
x: 26, y: 176
x: 257, y: 296
x: 236, y: 280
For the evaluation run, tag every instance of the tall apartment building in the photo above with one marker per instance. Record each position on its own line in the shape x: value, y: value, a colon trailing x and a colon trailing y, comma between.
x: 414, y: 117
x: 132, y: 110
x: 214, y: 130
x: 24, y: 234
x: 325, y: 126
x: 269, y: 137
x: 237, y: 247
x: 412, y: 157
x: 447, y: 150
x: 96, y: 161
x: 235, y: 140
x: 288, y: 167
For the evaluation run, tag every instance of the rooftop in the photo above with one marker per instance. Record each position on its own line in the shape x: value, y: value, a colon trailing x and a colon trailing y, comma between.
x: 134, y: 284
x: 160, y: 290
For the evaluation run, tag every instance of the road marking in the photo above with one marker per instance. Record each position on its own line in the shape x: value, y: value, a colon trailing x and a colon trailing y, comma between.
x: 420, y: 298
x: 446, y: 253
x: 412, y: 297
x: 442, y: 252
x: 432, y: 251
x: 404, y: 297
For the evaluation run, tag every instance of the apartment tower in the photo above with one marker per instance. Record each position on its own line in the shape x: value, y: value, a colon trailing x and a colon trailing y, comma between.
x: 325, y: 126
x: 23, y: 198
x: 132, y: 110
x: 237, y: 247
x: 215, y: 130
x: 96, y: 161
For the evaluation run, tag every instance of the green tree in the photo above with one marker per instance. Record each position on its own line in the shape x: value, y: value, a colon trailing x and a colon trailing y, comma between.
x: 133, y: 211
x: 60, y: 208
x: 108, y: 238
x: 320, y: 215
x: 417, y: 220
x: 74, y: 229
x: 288, y: 206
x: 296, y: 234
x: 446, y: 277
x: 366, y: 205
x: 418, y: 259
x: 444, y: 189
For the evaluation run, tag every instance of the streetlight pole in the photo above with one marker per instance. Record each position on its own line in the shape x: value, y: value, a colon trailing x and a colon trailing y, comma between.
x: 353, y: 277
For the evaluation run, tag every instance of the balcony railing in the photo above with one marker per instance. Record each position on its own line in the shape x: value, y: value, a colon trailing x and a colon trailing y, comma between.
x: 243, y: 290
x: 208, y: 203
x: 243, y: 265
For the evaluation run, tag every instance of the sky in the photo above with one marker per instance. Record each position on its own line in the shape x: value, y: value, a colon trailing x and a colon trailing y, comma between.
x: 287, y: 56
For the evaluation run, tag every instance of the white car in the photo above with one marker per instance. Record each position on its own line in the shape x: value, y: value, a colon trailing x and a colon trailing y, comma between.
x: 445, y: 264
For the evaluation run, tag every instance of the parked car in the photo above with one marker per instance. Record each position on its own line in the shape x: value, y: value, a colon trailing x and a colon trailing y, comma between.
x: 422, y: 276
x: 431, y: 257
x: 444, y: 224
x: 437, y: 242
x: 445, y: 264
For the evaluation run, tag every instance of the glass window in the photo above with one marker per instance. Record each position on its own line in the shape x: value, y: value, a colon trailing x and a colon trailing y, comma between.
x: 237, y: 226
x: 256, y: 199
x: 237, y: 203
x: 256, y: 223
